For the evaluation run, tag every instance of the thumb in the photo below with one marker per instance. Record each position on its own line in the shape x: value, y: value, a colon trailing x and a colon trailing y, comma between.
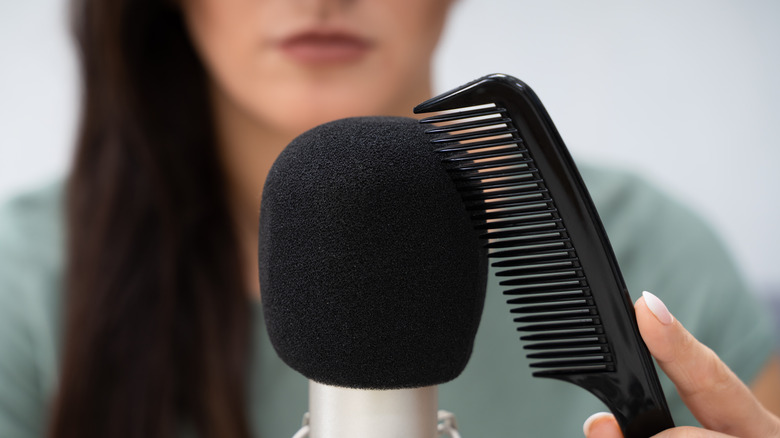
x: 601, y: 425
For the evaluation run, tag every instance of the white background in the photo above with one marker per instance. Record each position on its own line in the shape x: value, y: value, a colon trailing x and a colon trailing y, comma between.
x: 684, y: 92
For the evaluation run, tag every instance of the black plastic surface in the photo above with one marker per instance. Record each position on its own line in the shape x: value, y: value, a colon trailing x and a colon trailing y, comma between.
x: 534, y: 211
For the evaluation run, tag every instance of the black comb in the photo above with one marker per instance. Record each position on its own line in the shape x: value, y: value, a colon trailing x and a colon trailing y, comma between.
x: 529, y: 203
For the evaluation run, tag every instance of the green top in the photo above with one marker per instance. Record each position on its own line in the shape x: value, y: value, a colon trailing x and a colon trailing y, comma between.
x: 661, y: 247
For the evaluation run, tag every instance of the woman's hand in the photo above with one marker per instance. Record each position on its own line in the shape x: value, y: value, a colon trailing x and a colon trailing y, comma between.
x: 713, y: 393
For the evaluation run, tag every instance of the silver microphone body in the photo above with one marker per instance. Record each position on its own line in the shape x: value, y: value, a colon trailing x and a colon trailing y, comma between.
x: 336, y: 412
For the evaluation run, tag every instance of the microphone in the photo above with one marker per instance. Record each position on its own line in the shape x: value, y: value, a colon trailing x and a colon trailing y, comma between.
x: 372, y: 276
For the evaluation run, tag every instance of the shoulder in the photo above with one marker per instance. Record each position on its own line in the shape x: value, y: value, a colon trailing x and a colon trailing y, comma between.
x: 624, y: 198
x: 31, y: 249
x: 651, y: 228
x: 32, y: 221
x: 31, y: 245
x: 30, y: 281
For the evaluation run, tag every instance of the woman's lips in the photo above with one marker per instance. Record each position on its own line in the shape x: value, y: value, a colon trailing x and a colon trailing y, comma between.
x: 324, y: 47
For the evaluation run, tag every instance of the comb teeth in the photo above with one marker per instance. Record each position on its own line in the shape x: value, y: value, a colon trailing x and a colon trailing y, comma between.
x: 512, y: 209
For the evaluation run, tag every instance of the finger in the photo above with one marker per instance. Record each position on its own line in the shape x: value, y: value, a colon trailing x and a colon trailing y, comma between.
x: 712, y: 392
x: 601, y: 425
x: 690, y: 432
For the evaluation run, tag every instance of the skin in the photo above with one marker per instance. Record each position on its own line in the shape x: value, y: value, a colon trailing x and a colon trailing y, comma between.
x: 722, y: 403
x: 263, y: 97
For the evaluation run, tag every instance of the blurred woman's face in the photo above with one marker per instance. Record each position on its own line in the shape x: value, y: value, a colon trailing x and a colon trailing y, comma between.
x: 292, y: 64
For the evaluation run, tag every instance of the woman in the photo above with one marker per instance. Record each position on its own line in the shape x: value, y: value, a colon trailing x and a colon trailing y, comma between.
x: 148, y: 323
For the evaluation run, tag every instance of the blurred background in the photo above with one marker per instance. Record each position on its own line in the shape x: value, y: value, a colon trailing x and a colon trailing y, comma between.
x: 683, y: 92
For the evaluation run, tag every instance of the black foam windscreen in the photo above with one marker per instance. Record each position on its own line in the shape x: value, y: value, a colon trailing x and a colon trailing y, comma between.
x: 371, y: 273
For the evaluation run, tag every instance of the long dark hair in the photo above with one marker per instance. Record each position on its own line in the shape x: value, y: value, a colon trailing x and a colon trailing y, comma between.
x: 156, y: 314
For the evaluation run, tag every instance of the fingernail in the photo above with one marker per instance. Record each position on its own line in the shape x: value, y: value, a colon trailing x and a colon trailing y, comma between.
x: 592, y: 419
x: 658, y: 308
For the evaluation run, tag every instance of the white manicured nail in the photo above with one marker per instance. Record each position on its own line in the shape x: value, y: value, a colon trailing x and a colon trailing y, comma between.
x: 658, y: 308
x: 592, y: 419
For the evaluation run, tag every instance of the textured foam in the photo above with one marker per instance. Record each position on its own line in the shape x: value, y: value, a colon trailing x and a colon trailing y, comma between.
x: 371, y: 273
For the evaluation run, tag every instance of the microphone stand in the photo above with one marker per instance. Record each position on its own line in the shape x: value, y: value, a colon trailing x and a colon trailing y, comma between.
x: 336, y: 412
